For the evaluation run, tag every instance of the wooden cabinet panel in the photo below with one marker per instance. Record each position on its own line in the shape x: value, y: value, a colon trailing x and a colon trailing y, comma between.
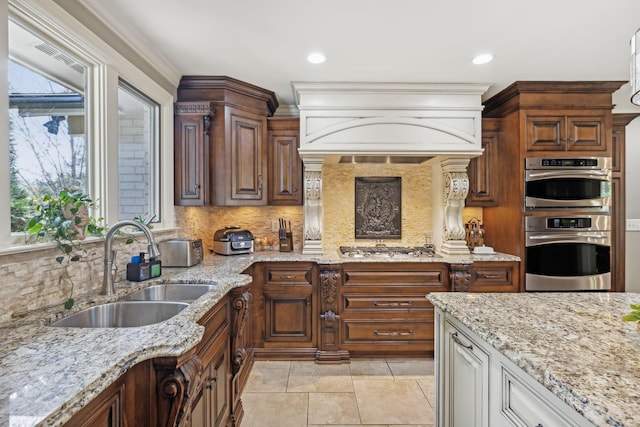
x: 566, y: 133
x: 288, y: 316
x: 191, y: 153
x: 383, y: 307
x: 284, y: 185
x: 483, y: 185
x: 495, y: 277
x: 288, y: 275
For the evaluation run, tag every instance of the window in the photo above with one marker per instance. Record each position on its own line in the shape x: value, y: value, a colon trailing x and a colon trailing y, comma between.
x: 81, y: 116
x: 47, y: 140
x: 138, y: 139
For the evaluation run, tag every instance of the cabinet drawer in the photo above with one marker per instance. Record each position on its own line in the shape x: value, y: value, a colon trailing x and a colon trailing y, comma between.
x: 522, y: 406
x: 385, y: 303
x: 495, y: 277
x: 401, y: 330
x: 402, y: 277
x: 288, y: 276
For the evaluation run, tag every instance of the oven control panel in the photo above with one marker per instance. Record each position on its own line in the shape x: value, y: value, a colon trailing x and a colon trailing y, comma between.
x: 569, y: 222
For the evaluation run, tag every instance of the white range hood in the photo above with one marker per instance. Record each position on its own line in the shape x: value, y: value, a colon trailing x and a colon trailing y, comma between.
x: 395, y: 123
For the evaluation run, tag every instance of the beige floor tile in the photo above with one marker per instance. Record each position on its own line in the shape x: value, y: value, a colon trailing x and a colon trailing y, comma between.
x: 428, y: 386
x: 263, y: 379
x: 276, y: 364
x: 319, y: 384
x: 370, y: 368
x: 351, y: 425
x: 333, y: 408
x: 411, y: 369
x: 275, y: 409
x: 392, y: 402
x: 312, y: 368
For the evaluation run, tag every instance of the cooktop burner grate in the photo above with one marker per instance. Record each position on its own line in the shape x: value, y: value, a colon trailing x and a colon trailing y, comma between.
x: 387, y: 251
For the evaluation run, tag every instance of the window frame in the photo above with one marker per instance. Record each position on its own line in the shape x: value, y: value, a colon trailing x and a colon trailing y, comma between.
x: 106, y: 68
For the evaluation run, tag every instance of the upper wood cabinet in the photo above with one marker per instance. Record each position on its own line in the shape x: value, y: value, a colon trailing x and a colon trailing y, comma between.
x: 235, y: 165
x: 284, y: 185
x: 191, y: 153
x: 567, y: 132
x: 483, y: 190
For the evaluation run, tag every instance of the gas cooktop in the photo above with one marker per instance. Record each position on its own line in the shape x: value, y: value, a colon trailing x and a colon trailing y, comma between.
x: 387, y: 251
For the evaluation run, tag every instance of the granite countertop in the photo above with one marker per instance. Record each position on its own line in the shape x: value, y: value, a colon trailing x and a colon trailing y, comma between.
x: 574, y: 344
x: 48, y: 374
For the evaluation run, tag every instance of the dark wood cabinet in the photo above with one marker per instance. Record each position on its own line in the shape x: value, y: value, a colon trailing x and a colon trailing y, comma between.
x: 560, y: 132
x: 213, y: 407
x: 383, y: 308
x: 557, y: 119
x: 239, y: 153
x: 483, y: 182
x: 235, y: 165
x: 285, y: 310
x: 495, y: 276
x: 284, y: 186
x: 618, y: 214
x: 192, y: 123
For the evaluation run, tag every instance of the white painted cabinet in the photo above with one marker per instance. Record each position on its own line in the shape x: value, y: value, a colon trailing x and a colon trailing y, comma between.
x: 466, y: 387
x: 477, y: 386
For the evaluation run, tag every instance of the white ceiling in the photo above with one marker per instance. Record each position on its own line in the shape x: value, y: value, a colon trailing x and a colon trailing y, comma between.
x: 266, y: 42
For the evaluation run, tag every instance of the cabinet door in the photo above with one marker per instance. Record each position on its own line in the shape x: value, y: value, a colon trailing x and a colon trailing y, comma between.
x: 288, y: 315
x: 585, y: 133
x: 246, y: 158
x: 285, y: 168
x: 191, y: 145
x: 483, y: 190
x: 545, y: 133
x: 466, y: 389
x: 220, y: 380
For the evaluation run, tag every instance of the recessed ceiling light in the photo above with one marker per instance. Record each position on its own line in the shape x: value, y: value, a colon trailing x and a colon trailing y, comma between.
x: 316, y: 58
x: 482, y: 59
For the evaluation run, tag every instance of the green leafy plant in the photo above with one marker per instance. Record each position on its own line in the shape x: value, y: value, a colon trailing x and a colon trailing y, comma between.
x: 65, y: 219
x: 634, y: 316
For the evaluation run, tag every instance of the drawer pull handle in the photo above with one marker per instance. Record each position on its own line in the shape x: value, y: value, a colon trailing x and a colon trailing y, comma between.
x: 459, y: 342
x: 490, y: 276
x: 393, y: 304
x: 287, y: 276
x: 393, y: 334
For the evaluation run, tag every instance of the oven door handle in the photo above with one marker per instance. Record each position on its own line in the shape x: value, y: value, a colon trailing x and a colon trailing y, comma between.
x: 595, y: 174
x: 567, y: 236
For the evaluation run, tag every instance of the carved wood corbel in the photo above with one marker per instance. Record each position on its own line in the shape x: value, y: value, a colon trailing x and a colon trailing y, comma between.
x: 460, y: 277
x: 176, y: 388
x: 329, y: 324
x: 241, y: 312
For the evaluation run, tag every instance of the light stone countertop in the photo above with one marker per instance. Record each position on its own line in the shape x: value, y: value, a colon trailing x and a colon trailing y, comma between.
x: 574, y: 344
x: 48, y: 374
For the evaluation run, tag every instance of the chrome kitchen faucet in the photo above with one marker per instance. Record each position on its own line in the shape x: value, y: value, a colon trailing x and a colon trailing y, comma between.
x: 109, y: 253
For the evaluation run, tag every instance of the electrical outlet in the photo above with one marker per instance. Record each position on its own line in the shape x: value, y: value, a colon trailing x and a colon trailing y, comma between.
x: 274, y: 225
x: 633, y: 225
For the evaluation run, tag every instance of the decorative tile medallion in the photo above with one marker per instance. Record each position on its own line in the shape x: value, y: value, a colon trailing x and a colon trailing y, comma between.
x: 378, y: 202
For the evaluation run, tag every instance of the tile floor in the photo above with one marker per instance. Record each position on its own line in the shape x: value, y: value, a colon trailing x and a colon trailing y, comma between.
x: 366, y: 392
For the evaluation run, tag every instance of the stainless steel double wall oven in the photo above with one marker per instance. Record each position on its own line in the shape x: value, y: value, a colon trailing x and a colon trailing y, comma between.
x: 568, y: 224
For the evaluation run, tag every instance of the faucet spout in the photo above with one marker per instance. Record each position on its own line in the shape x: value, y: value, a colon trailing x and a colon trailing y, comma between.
x: 152, y: 250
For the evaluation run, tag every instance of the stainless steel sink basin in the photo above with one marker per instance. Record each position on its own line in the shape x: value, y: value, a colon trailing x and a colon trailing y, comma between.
x: 122, y: 314
x: 187, y: 292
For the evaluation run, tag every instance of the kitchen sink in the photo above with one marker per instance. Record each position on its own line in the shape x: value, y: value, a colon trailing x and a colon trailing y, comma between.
x: 187, y: 292
x: 122, y: 314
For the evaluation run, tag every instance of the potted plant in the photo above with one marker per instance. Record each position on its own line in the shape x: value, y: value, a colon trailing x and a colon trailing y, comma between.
x: 65, y: 219
x: 634, y: 316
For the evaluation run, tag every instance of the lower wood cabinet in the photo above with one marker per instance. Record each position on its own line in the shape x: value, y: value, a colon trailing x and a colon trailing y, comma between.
x: 383, y: 308
x: 285, y: 310
x: 486, y: 276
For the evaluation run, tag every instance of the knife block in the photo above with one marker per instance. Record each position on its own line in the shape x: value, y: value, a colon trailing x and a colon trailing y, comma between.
x: 286, y: 244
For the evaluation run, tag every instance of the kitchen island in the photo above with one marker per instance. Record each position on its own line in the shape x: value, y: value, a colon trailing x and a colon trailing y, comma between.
x: 47, y: 375
x: 535, y: 357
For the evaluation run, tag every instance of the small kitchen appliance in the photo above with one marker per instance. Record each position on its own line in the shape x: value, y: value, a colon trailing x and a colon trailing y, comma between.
x: 232, y: 240
x: 180, y: 252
